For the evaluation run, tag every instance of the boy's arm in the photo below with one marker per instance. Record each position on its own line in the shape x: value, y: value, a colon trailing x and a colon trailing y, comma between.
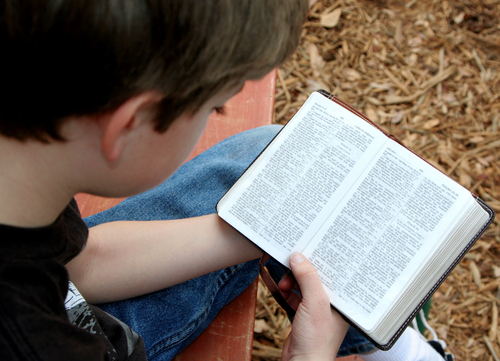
x: 131, y: 258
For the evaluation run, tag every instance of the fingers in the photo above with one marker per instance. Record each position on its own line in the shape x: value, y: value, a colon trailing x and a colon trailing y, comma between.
x: 286, y: 284
x: 308, y: 279
x: 317, y: 330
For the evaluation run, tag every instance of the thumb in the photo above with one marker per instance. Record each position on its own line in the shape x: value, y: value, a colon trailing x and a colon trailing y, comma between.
x: 307, y: 278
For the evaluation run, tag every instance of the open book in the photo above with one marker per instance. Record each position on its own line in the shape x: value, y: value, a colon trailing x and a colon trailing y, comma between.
x: 382, y: 226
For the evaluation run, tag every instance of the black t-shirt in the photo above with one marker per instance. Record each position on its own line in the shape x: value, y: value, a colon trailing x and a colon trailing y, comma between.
x: 34, y: 322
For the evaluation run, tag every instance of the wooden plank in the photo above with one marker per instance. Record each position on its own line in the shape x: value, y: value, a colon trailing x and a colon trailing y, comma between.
x: 230, y: 336
x: 89, y: 204
x: 250, y: 108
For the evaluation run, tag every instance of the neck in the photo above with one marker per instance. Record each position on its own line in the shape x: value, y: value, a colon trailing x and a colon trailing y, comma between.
x: 32, y: 193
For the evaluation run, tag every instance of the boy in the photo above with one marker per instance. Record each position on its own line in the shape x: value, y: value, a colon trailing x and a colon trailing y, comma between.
x: 109, y: 98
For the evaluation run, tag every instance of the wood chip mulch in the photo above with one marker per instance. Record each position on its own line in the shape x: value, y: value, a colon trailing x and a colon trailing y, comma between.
x: 427, y: 71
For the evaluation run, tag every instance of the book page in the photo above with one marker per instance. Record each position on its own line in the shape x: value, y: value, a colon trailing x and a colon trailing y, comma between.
x: 385, y: 229
x: 469, y: 223
x: 280, y: 202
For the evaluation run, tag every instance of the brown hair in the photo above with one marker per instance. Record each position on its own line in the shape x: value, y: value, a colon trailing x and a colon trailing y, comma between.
x: 63, y: 58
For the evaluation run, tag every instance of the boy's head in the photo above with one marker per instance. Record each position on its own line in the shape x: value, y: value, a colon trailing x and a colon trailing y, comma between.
x: 64, y: 58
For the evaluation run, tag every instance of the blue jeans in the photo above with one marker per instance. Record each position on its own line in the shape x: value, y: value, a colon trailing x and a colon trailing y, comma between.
x: 169, y: 320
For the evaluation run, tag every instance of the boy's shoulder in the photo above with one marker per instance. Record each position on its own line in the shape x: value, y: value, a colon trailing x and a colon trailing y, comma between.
x: 33, y: 281
x: 33, y: 285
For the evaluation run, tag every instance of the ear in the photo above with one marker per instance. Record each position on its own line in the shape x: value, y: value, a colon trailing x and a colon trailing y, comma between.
x: 117, y: 124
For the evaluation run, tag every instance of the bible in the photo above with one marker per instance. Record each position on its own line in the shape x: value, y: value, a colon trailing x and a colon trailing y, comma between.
x: 382, y: 226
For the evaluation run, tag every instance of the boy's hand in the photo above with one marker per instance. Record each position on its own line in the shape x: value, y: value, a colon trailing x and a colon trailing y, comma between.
x: 317, y: 330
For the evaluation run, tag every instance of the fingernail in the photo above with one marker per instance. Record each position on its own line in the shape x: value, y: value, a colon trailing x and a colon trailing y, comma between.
x: 297, y: 258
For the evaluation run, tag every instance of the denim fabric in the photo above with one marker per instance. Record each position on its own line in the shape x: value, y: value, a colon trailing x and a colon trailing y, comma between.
x: 169, y: 320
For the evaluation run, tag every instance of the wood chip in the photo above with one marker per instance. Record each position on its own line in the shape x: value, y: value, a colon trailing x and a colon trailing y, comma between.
x: 428, y: 72
x: 476, y: 274
x: 330, y: 20
x: 494, y: 321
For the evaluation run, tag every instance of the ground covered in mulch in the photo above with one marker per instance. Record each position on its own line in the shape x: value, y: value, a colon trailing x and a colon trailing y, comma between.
x: 427, y: 71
